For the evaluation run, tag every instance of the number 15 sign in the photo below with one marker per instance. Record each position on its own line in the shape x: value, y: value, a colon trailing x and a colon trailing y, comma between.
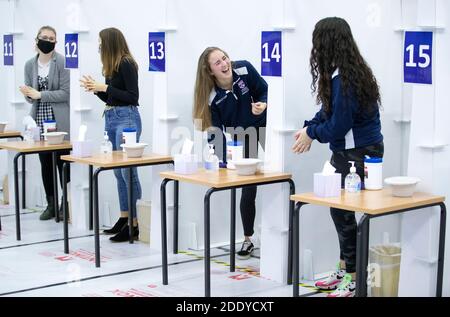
x: 418, y: 57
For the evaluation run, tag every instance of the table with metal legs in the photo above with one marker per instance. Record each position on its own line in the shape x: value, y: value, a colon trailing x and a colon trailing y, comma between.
x: 220, y: 181
x: 372, y: 204
x: 15, y: 135
x: 24, y: 148
x: 103, y: 162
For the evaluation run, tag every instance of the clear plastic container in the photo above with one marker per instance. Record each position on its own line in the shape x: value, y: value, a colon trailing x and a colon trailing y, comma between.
x: 352, y: 181
x: 106, y: 146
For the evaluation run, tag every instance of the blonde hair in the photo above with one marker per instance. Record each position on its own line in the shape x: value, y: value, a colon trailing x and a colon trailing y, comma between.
x: 46, y: 27
x: 114, y: 49
x: 204, y: 83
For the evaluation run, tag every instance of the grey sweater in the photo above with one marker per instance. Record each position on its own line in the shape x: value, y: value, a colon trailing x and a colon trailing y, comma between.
x: 58, y: 93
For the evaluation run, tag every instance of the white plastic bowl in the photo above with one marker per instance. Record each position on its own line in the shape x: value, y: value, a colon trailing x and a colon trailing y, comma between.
x: 402, y: 186
x: 246, y: 166
x: 3, y: 126
x: 134, y: 150
x: 54, y: 138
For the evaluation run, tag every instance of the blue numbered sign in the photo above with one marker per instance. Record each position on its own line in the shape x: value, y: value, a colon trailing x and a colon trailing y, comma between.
x: 157, y: 51
x: 71, y: 50
x: 271, y: 54
x: 418, y: 57
x: 8, y: 50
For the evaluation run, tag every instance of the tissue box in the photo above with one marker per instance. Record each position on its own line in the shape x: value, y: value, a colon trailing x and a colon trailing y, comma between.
x: 327, y: 185
x: 186, y: 163
x: 82, y: 148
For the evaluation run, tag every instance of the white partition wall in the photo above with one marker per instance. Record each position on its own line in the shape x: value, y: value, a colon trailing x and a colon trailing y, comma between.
x: 413, y: 117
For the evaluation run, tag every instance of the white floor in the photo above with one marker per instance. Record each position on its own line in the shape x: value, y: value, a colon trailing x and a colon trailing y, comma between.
x: 37, y: 266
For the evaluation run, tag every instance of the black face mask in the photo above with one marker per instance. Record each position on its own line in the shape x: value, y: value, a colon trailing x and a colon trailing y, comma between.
x: 45, y: 46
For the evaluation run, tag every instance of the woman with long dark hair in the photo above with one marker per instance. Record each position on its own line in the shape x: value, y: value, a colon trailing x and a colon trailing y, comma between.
x: 349, y: 119
x: 120, y: 92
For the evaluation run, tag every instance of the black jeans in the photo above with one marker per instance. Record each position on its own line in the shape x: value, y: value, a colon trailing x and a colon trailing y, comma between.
x: 47, y: 170
x: 345, y: 221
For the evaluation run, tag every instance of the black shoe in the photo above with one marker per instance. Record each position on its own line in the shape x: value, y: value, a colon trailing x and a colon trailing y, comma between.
x: 49, y: 212
x: 124, y: 234
x: 117, y: 226
x: 246, y: 250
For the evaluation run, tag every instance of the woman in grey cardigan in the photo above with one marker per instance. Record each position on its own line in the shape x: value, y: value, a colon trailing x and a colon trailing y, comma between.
x: 47, y: 88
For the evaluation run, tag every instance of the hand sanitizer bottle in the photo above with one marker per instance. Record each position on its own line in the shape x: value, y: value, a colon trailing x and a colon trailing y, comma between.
x: 106, y: 147
x: 212, y: 161
x: 352, y: 181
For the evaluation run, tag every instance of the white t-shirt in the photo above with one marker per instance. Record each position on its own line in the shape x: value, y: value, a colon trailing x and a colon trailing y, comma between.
x: 43, y: 69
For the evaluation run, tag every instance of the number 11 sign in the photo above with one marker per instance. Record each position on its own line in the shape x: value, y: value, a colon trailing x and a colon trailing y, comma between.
x: 418, y: 57
x: 8, y: 50
x: 271, y: 54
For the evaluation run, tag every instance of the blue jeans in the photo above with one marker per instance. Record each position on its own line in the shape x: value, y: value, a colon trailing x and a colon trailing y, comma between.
x: 116, y: 120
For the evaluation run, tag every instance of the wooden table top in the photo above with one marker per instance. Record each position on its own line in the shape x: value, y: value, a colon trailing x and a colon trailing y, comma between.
x: 117, y: 159
x: 224, y: 178
x: 24, y: 146
x: 372, y: 202
x: 10, y: 134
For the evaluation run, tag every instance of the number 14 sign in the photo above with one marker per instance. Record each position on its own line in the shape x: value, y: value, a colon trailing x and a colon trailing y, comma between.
x: 418, y: 57
x: 271, y: 54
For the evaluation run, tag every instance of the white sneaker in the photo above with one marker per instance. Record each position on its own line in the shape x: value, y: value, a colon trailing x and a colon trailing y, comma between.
x: 347, y: 288
x: 333, y: 280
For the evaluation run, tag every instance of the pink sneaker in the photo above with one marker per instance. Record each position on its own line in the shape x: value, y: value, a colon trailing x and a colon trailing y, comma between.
x: 332, y: 281
x: 345, y: 289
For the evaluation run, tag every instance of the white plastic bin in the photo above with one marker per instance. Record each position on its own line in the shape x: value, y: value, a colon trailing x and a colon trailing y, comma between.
x: 384, y: 271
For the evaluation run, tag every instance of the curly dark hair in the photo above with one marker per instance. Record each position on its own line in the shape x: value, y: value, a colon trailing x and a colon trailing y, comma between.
x: 334, y: 47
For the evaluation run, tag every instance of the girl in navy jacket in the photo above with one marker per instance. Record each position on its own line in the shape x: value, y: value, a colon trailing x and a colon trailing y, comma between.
x: 349, y: 119
x: 232, y: 97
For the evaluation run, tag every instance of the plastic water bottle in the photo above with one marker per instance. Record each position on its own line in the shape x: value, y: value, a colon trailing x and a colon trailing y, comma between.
x: 106, y: 147
x: 212, y: 161
x: 352, y: 180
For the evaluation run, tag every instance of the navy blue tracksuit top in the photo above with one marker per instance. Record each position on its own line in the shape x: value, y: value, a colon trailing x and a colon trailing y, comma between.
x: 346, y: 126
x: 232, y: 108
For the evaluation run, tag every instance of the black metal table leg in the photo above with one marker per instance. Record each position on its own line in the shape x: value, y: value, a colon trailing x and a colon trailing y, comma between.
x: 55, y: 185
x: 233, y: 231
x: 175, y: 216
x: 16, y: 194
x: 291, y: 232
x: 296, y: 247
x: 64, y: 207
x: 24, y: 191
x: 440, y: 269
x: 207, y: 241
x: 362, y: 253
x: 164, y: 231
x: 91, y: 201
x: 130, y: 204
x: 96, y: 218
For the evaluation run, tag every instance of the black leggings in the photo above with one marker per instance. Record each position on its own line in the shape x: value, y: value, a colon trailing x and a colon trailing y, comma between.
x: 47, y: 170
x: 345, y: 221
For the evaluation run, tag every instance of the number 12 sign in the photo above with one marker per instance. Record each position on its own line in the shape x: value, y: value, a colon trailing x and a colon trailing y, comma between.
x: 418, y: 57
x: 71, y: 50
x: 157, y: 51
x: 271, y: 54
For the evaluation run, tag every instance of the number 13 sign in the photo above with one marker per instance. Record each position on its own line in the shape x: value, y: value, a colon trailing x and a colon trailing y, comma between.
x: 157, y: 51
x: 418, y: 57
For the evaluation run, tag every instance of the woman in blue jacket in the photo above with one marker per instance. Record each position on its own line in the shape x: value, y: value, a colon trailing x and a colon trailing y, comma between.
x: 349, y: 119
x: 232, y: 97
